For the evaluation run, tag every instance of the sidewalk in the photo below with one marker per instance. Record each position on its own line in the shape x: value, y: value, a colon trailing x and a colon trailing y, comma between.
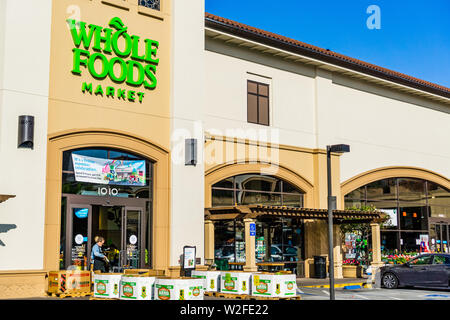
x: 338, y: 283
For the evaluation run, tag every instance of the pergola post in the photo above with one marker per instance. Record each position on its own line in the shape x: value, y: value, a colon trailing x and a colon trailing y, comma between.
x: 376, y: 249
x: 209, y: 240
x: 337, y: 252
x: 250, y: 256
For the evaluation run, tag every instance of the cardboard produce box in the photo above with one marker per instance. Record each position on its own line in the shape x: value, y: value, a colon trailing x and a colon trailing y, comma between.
x: 69, y: 281
x: 211, y: 279
x: 235, y: 282
x: 136, y: 287
x: 167, y: 288
x: 107, y: 285
x: 274, y: 285
x: 288, y: 285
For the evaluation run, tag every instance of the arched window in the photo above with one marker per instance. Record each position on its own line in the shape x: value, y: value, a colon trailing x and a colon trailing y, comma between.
x: 246, y: 189
x: 417, y: 208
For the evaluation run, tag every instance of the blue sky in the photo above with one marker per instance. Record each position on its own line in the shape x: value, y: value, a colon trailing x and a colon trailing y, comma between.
x: 414, y: 35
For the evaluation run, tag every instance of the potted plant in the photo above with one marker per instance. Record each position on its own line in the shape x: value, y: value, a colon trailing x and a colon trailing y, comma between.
x: 351, y: 269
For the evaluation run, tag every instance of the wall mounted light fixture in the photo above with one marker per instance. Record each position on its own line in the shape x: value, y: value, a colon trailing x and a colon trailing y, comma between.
x: 25, y: 137
x: 190, y: 152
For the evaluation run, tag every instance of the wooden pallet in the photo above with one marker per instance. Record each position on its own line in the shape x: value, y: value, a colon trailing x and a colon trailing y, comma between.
x: 275, y: 298
x: 231, y: 296
x: 69, y: 294
x: 209, y: 293
x: 95, y: 298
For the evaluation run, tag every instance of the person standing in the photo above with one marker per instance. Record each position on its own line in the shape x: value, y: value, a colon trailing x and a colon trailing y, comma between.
x: 98, y: 259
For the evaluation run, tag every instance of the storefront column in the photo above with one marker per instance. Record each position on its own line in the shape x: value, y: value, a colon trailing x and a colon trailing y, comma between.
x: 337, y: 252
x: 376, y: 249
x: 209, y: 240
x: 250, y: 257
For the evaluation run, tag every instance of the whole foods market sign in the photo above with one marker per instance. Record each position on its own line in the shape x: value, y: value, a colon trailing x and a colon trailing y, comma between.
x: 112, y: 53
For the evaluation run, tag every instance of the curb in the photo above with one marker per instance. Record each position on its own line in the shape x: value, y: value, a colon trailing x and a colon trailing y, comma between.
x: 350, y: 286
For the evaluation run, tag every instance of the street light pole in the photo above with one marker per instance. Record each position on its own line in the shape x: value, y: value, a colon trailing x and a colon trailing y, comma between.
x: 330, y: 226
x: 339, y: 148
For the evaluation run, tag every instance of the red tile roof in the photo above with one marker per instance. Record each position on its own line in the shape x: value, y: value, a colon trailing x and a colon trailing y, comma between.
x: 333, y: 57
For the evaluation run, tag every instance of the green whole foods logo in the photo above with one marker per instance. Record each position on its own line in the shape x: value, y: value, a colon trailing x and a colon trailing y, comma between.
x: 129, y: 64
x: 196, y: 292
x: 101, y: 288
x: 262, y: 287
x: 229, y: 284
x: 290, y: 285
x: 128, y: 290
x: 164, y: 293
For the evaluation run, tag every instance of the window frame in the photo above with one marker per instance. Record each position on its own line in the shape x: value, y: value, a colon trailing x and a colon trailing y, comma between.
x: 258, y: 96
x: 235, y: 190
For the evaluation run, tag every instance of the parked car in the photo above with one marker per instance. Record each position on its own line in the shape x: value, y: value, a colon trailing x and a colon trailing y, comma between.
x: 426, y: 270
x: 289, y: 254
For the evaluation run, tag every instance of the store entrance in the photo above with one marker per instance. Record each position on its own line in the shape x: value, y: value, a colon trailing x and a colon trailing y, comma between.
x: 439, y: 234
x: 119, y: 221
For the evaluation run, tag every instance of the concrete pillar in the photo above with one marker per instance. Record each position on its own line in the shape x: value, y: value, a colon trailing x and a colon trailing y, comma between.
x: 250, y: 256
x: 337, y: 251
x: 376, y: 249
x: 209, y: 240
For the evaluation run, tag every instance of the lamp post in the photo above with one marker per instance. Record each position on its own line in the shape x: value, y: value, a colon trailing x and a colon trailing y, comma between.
x: 338, y: 148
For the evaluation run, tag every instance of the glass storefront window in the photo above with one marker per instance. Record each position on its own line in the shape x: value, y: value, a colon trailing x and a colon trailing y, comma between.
x: 438, y: 201
x: 292, y: 200
x: 71, y: 186
x: 413, y: 217
x: 247, y: 197
x: 389, y: 240
x: 413, y: 201
x: 382, y: 190
x: 408, y: 241
x: 224, y: 240
x: 411, y: 190
x: 222, y: 197
x: 249, y: 189
x: 354, y: 203
x: 359, y: 194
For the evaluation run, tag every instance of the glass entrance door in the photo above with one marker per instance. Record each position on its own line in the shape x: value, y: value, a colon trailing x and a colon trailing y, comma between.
x: 119, y: 221
x: 79, y: 235
x: 132, y: 237
x: 439, y: 233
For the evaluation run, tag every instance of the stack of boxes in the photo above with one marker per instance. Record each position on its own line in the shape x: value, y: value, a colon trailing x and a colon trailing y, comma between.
x: 147, y: 286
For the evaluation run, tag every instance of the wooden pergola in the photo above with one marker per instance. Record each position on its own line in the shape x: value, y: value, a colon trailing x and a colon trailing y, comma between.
x: 257, y: 211
x: 249, y: 214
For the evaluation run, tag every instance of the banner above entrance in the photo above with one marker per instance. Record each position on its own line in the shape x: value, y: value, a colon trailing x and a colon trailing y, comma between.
x: 107, y: 171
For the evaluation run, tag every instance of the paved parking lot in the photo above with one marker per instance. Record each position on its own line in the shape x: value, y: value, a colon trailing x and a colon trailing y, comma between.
x: 374, y: 294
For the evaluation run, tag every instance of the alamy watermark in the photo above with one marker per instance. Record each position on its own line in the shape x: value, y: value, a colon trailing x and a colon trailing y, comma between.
x: 374, y: 20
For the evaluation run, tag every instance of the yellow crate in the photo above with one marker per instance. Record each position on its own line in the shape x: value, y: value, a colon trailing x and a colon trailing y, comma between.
x: 69, y: 282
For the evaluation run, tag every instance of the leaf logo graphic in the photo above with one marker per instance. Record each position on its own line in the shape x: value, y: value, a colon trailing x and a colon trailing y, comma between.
x: 117, y: 24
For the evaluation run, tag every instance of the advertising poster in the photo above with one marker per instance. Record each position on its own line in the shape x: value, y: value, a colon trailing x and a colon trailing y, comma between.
x: 392, y: 216
x: 189, y: 257
x: 107, y: 171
